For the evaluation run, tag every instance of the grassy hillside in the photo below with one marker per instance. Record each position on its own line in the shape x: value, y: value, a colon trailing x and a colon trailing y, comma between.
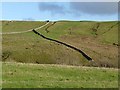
x: 19, y: 75
x: 14, y: 26
x: 94, y: 38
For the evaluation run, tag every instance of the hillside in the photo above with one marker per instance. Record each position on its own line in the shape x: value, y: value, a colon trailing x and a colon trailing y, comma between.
x: 99, y: 40
x: 21, y: 75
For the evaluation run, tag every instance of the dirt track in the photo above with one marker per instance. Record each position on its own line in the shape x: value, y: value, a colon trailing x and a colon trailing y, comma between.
x: 27, y: 30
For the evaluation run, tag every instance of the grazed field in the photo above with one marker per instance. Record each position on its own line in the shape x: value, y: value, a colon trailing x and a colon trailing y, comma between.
x: 95, y: 38
x: 21, y: 75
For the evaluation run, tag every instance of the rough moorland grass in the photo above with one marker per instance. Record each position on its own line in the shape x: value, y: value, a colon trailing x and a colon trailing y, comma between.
x: 31, y: 48
x: 76, y: 28
x: 82, y: 35
x: 19, y: 75
x: 28, y: 47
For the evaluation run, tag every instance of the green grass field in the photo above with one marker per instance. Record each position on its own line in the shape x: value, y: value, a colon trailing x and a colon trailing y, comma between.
x: 21, y: 75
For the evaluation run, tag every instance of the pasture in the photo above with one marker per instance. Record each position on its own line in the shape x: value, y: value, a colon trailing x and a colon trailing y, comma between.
x: 21, y: 75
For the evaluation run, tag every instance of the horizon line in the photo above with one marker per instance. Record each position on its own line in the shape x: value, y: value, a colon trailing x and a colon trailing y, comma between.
x: 54, y: 20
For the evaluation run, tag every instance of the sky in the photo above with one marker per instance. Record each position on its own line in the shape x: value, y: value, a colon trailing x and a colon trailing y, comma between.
x: 54, y: 11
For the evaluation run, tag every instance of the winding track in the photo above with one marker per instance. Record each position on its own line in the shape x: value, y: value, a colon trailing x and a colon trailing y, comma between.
x: 27, y: 30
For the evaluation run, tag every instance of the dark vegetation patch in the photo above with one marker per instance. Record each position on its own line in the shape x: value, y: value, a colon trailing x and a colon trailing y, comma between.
x: 5, y: 55
x: 95, y: 28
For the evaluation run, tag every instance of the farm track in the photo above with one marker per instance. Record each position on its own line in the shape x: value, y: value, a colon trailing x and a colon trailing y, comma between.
x: 26, y: 30
x: 49, y: 27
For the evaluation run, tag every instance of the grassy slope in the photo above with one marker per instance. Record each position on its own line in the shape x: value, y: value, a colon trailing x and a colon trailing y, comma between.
x: 29, y: 47
x: 14, y: 26
x: 18, y: 75
x: 85, y: 28
x: 81, y: 35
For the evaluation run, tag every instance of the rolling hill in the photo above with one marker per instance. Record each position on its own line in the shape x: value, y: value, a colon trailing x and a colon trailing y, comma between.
x: 98, y: 40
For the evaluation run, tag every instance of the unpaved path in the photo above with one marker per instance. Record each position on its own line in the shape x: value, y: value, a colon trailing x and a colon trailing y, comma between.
x: 26, y: 30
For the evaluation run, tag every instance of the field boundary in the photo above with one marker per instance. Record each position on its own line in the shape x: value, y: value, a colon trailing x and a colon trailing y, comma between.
x: 26, y: 30
x: 72, y: 47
